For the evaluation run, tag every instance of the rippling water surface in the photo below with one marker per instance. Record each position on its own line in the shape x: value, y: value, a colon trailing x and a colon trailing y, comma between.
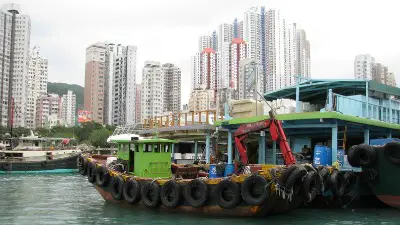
x: 70, y: 199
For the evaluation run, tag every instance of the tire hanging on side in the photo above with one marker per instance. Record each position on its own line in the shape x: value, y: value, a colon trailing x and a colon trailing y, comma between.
x: 310, y: 186
x: 285, y: 174
x: 117, y: 185
x: 362, y: 155
x: 350, y: 181
x: 196, y: 193
x: 170, y: 194
x: 150, y: 194
x: 91, y: 172
x: 102, y: 176
x: 337, y: 183
x: 324, y: 175
x: 131, y: 191
x: 392, y: 152
x: 297, y: 174
x: 254, y: 190
x: 222, y: 191
x: 6, y: 166
x: 82, y: 167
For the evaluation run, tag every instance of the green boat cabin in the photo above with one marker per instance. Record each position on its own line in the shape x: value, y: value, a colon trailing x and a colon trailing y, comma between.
x: 147, y: 157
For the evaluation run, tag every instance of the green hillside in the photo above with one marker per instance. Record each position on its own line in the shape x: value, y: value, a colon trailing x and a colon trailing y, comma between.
x: 62, y: 88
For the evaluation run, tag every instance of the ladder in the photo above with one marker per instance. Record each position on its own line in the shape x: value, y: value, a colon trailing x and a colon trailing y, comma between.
x: 342, y: 137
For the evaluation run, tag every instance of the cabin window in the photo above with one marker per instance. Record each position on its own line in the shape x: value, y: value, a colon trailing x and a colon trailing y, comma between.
x: 148, y: 148
x: 166, y: 148
x: 124, y: 147
x: 157, y: 148
x: 132, y: 147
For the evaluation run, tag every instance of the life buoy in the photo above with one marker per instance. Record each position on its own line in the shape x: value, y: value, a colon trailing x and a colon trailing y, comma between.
x: 310, y: 186
x: 350, y: 180
x: 392, y: 152
x: 227, y: 193
x: 131, y: 191
x: 254, y: 190
x: 102, y: 176
x: 170, y: 194
x: 91, y: 172
x: 285, y: 174
x: 150, y: 194
x: 196, y: 193
x: 337, y: 183
x: 117, y: 184
x: 6, y: 166
x: 293, y: 179
x: 362, y: 155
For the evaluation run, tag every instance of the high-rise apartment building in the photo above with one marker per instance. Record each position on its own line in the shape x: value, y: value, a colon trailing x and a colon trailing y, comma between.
x: 110, y: 83
x: 251, y: 32
x: 201, y: 100
x: 37, y: 84
x: 205, y: 69
x: 225, y: 34
x: 172, y: 88
x: 68, y: 109
x: 152, y: 90
x: 250, y: 79
x: 303, y: 55
x: 238, y: 52
x: 138, y: 102
x: 15, y: 31
x: 95, y: 81
x: 48, y: 109
x: 204, y: 42
x: 291, y: 52
x: 366, y: 68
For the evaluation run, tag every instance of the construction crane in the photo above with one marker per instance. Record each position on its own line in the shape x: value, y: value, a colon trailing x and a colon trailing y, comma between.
x: 276, y: 131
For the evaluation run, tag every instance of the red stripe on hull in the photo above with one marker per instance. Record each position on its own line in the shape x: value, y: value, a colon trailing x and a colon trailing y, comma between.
x: 240, y: 211
x: 391, y: 200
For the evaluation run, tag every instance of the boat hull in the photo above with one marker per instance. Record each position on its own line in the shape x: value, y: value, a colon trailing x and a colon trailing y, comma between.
x: 61, y: 165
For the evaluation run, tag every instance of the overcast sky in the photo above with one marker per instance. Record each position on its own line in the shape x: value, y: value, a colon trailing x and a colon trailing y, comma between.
x: 168, y: 31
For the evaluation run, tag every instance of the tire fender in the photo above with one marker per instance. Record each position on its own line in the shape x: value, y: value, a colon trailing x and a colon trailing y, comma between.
x: 362, y: 155
x: 392, y: 152
x: 117, y: 184
x: 337, y: 183
x: 310, y: 186
x: 170, y: 194
x: 221, y: 188
x: 91, y: 172
x: 200, y: 188
x: 285, y: 175
x: 150, y: 194
x: 254, y: 190
x: 131, y: 191
x: 102, y: 176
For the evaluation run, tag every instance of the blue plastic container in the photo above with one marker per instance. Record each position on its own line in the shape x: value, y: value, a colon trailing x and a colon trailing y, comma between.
x: 320, y: 158
x: 328, y: 153
x: 213, y: 171
x: 340, y: 157
x: 229, y: 169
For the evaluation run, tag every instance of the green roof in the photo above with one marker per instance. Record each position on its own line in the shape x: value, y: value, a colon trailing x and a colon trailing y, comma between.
x: 316, y: 90
x: 309, y: 116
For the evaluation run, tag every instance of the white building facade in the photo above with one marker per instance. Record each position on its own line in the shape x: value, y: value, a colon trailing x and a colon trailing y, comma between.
x: 37, y: 84
x: 172, y: 88
x: 363, y: 67
x: 68, y: 109
x: 15, y: 31
x: 152, y: 90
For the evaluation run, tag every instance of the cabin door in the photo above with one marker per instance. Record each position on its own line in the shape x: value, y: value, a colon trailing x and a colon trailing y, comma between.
x: 131, y: 157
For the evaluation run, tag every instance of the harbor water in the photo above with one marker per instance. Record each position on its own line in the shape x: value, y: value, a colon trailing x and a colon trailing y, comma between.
x: 71, y: 199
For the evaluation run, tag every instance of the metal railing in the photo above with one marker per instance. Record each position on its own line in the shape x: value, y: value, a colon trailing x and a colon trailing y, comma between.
x: 183, y: 119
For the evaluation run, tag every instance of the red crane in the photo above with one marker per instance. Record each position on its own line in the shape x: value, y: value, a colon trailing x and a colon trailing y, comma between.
x: 277, y: 134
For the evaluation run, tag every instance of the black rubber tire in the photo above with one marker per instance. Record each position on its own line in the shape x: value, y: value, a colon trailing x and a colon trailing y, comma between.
x: 337, y: 183
x: 363, y: 155
x: 392, y: 152
x: 310, y: 186
x: 224, y: 201
x: 102, y: 176
x: 6, y: 166
x: 350, y: 156
x: 285, y: 174
x: 91, y: 172
x: 170, y: 194
x: 350, y: 181
x: 116, y: 186
x: 196, y: 193
x: 297, y: 174
x: 253, y: 190
x: 83, y: 168
x: 43, y: 163
x: 131, y: 191
x: 324, y: 174
x: 150, y: 194
x: 370, y: 175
